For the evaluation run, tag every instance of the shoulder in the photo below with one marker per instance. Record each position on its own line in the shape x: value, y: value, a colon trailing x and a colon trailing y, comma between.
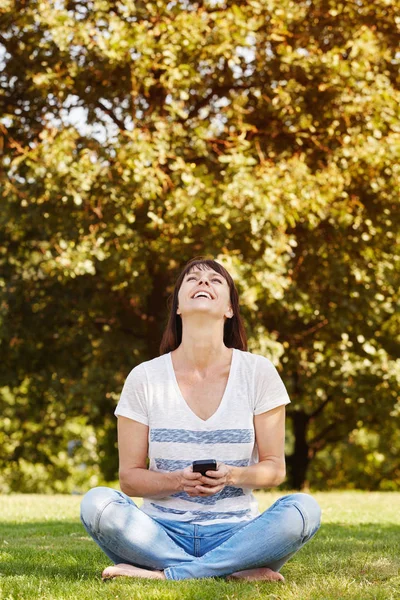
x: 148, y: 368
x: 154, y: 363
x: 254, y: 361
x: 268, y: 389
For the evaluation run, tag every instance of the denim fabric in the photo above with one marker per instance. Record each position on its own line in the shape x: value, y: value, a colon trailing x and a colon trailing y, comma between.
x: 186, y: 551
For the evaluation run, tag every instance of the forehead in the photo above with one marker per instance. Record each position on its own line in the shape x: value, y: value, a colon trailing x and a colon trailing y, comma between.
x: 199, y: 269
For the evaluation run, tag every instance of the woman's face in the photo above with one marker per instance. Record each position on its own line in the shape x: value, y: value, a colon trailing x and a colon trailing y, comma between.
x: 204, y: 291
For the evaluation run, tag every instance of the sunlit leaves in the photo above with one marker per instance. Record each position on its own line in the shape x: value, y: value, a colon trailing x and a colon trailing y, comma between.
x: 137, y: 135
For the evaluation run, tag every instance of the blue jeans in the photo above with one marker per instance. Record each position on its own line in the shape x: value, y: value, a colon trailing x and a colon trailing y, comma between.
x: 186, y: 551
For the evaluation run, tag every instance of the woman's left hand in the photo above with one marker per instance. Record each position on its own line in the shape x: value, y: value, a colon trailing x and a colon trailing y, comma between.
x: 214, y: 481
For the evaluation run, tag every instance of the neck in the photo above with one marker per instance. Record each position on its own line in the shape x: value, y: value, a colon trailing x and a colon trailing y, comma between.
x: 202, y: 348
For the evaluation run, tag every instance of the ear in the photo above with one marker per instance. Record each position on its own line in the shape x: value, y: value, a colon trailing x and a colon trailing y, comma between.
x: 229, y: 313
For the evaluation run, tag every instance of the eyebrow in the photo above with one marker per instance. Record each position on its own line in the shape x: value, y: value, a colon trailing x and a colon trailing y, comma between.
x: 197, y: 272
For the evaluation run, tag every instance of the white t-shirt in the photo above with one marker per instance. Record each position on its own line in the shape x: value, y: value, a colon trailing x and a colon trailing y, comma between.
x: 177, y: 436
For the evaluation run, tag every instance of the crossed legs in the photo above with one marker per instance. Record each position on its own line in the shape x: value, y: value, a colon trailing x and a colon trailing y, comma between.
x: 140, y: 547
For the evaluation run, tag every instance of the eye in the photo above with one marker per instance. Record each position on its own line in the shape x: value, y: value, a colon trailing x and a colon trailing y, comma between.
x: 216, y: 279
x: 189, y: 278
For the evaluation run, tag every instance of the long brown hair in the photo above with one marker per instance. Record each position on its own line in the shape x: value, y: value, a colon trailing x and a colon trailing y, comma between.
x: 234, y: 331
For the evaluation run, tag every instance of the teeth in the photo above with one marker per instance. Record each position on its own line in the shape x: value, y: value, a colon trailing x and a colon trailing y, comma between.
x: 199, y: 294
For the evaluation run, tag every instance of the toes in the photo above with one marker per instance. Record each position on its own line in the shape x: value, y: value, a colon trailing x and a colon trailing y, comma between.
x: 109, y: 573
x: 106, y: 574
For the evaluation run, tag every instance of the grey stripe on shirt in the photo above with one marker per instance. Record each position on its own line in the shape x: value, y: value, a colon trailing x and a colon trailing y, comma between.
x: 187, y: 436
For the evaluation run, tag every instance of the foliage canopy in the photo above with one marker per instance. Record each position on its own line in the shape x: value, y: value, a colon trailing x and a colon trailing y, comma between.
x: 137, y: 135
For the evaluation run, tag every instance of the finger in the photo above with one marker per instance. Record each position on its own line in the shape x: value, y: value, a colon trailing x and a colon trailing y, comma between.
x: 189, y: 488
x: 213, y: 481
x: 196, y: 481
x: 216, y: 474
x: 204, y: 494
x: 209, y: 491
x: 192, y: 476
x: 190, y: 491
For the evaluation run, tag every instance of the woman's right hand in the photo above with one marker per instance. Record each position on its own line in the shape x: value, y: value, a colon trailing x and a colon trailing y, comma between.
x: 189, y: 480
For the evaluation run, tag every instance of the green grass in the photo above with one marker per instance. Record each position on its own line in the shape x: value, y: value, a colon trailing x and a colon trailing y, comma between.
x: 46, y: 554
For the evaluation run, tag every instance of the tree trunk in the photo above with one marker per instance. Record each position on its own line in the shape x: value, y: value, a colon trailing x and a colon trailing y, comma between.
x: 298, y: 462
x: 157, y: 311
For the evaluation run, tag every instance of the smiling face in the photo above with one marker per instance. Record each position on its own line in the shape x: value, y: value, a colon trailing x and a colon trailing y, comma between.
x: 222, y: 309
x: 203, y: 290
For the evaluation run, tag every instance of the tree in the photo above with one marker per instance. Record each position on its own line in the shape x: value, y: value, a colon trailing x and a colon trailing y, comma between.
x: 265, y: 133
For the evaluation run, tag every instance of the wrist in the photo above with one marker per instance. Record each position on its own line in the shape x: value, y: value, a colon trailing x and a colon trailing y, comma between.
x: 176, y: 480
x: 233, y: 478
x: 240, y: 477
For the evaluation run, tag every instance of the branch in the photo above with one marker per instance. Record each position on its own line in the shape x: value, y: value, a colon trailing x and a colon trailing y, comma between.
x: 110, y: 113
x: 321, y: 407
x: 320, y: 437
x: 311, y: 330
x: 215, y: 91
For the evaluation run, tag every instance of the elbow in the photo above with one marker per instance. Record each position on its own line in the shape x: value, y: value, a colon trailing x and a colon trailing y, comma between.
x: 280, y: 476
x: 125, y: 482
x: 124, y: 488
x: 280, y: 473
x: 275, y: 473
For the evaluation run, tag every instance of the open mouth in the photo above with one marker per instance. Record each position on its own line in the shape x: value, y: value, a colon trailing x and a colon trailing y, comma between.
x: 202, y: 295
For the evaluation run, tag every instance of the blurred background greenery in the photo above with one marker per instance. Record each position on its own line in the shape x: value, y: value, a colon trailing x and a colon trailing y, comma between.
x: 136, y: 135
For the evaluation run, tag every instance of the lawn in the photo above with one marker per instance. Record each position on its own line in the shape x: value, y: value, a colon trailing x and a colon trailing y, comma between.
x: 46, y: 554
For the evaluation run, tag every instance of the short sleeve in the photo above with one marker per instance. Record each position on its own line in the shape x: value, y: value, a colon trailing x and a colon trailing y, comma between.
x: 133, y: 400
x: 269, y: 389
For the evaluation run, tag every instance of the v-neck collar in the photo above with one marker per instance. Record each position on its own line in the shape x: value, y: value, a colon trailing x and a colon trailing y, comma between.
x: 224, y: 396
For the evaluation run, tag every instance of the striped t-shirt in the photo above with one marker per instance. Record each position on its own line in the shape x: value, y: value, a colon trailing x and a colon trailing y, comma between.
x: 177, y: 436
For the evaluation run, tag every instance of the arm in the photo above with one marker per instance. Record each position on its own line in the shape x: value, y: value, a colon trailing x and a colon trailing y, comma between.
x: 270, y: 437
x: 134, y: 477
x: 269, y: 471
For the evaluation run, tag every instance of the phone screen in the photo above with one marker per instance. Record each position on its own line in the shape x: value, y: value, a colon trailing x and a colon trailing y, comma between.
x: 202, y: 466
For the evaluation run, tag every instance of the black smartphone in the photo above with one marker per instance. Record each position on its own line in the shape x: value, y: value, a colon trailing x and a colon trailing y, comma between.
x: 201, y: 466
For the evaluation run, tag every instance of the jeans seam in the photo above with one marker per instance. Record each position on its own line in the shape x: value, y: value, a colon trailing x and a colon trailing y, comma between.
x: 305, y: 519
x: 230, y: 537
x: 168, y: 528
x: 234, y: 527
x: 100, y: 514
x: 186, y: 535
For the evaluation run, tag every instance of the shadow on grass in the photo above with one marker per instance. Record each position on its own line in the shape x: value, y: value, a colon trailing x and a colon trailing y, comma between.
x: 55, y: 549
x: 351, y: 539
x: 48, y: 549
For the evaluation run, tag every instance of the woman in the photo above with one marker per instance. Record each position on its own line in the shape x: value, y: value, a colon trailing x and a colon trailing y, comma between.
x: 205, y: 397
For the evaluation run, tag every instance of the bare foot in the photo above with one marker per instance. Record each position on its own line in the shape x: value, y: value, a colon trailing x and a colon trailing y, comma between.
x: 262, y: 574
x: 123, y: 570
